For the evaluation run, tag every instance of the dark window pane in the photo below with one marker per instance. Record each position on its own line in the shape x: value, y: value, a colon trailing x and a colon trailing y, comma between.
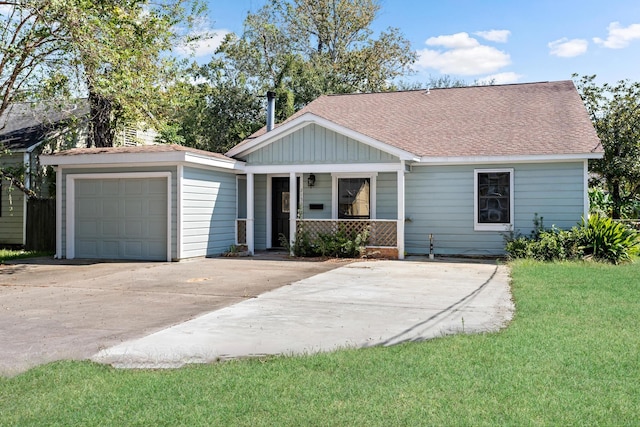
x: 494, y: 198
x: 353, y: 198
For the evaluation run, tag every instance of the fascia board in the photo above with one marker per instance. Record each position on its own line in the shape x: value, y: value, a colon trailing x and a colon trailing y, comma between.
x: 464, y: 160
x: 88, y: 160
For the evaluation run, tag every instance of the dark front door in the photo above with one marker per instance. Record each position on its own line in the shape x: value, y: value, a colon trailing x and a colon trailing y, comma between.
x: 281, y: 210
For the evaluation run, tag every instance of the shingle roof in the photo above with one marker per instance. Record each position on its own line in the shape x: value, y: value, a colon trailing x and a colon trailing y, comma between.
x: 160, y: 148
x: 546, y: 118
x: 25, y: 124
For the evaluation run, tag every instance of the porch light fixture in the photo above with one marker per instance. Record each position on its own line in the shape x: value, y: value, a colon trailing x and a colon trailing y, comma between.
x: 311, y: 180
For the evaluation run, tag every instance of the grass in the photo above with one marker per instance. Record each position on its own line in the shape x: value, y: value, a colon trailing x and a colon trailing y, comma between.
x: 11, y: 254
x: 571, y: 356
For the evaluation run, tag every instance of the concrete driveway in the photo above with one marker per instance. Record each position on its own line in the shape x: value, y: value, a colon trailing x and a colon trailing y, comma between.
x: 52, y: 310
x: 357, y: 305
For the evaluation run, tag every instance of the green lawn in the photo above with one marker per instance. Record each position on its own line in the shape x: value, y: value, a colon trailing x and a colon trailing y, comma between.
x: 10, y: 254
x: 571, y: 356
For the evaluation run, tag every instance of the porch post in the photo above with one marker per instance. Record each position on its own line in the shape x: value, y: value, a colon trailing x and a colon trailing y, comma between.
x: 250, y: 214
x: 293, y: 209
x: 401, y: 213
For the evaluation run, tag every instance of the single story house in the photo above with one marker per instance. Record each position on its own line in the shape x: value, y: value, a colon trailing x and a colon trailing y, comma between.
x: 457, y: 168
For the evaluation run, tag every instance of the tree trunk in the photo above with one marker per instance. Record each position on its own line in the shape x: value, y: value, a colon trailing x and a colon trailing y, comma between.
x: 616, y: 199
x: 102, y: 133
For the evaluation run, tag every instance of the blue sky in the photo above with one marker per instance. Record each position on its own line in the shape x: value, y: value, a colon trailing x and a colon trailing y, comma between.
x: 510, y: 41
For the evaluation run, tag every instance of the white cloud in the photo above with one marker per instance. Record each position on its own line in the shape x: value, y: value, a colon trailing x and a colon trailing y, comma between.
x: 501, y: 78
x: 463, y: 55
x: 498, y: 36
x: 566, y: 48
x: 204, y: 47
x: 619, y: 37
x: 453, y: 41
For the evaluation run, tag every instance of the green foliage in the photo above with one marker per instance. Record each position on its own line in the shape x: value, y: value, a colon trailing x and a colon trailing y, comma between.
x: 305, y: 48
x: 605, y: 239
x: 341, y: 244
x: 600, y: 238
x: 215, y: 113
x: 615, y: 113
x: 118, y: 53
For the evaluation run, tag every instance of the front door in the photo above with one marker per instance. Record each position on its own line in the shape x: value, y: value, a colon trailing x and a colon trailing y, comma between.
x: 281, y: 210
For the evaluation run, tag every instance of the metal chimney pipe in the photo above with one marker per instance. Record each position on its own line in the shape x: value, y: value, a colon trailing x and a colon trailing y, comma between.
x: 271, y: 110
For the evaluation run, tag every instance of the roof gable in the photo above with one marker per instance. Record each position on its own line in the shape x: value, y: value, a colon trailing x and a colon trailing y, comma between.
x: 534, y: 119
x: 315, y: 144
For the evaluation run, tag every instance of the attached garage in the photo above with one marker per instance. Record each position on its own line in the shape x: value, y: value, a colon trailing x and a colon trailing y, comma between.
x: 146, y: 203
x: 122, y: 218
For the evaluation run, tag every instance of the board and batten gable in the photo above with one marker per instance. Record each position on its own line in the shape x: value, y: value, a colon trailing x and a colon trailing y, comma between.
x: 440, y: 201
x: 208, y: 212
x: 314, y: 144
x: 114, y: 171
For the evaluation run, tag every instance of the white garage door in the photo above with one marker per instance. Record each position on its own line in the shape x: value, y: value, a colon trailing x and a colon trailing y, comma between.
x: 121, y: 218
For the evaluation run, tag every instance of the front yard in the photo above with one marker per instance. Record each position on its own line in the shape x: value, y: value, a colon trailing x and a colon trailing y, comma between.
x: 571, y: 356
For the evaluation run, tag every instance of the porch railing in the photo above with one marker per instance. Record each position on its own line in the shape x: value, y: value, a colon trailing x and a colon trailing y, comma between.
x: 382, y: 232
x: 241, y: 230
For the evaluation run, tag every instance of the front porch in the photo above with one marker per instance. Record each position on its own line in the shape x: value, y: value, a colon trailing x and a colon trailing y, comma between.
x: 383, y: 233
x: 323, y: 203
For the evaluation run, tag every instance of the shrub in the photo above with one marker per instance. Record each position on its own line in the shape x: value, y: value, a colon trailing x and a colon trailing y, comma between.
x: 341, y: 244
x: 609, y: 240
x: 599, y: 238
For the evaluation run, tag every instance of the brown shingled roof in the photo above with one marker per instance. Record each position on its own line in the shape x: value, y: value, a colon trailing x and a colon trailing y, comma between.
x: 160, y: 148
x: 505, y: 120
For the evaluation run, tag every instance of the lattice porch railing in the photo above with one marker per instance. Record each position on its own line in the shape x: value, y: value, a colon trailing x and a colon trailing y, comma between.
x: 381, y: 232
x: 241, y: 227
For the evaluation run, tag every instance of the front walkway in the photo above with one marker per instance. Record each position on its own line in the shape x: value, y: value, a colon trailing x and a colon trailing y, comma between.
x: 358, y: 305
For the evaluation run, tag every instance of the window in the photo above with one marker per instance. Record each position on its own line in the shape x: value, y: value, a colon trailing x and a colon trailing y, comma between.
x: 354, y: 198
x: 493, y: 199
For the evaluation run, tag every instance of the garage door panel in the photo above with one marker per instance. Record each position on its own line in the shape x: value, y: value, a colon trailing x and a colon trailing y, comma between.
x: 157, y: 187
x: 120, y: 219
x: 87, y: 228
x: 109, y: 249
x: 110, y: 228
x: 133, y: 187
x: 133, y: 229
x: 110, y: 187
x: 89, y: 248
x: 109, y: 208
x: 156, y: 227
x: 86, y: 187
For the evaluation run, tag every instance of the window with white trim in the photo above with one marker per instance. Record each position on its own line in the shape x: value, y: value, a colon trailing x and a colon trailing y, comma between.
x: 493, y: 203
x: 354, y: 196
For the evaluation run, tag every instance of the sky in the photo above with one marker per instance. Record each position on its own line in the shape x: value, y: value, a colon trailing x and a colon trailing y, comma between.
x: 504, y: 41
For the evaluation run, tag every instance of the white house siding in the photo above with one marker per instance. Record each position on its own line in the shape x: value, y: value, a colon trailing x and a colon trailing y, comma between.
x: 208, y: 212
x: 174, y: 200
x: 12, y: 213
x: 314, y: 144
x: 439, y: 200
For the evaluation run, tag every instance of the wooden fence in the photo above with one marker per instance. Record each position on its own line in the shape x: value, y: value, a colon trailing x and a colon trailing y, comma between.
x: 41, y: 225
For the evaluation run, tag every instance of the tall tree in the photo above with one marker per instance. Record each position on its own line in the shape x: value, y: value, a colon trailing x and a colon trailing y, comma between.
x: 115, y: 51
x: 120, y: 49
x: 615, y: 113
x: 304, y: 48
x: 212, y: 109
x: 33, y: 47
